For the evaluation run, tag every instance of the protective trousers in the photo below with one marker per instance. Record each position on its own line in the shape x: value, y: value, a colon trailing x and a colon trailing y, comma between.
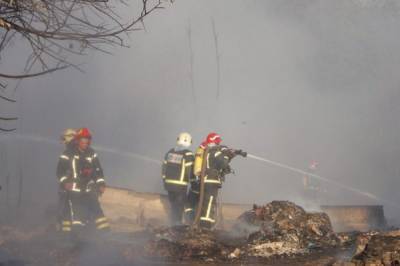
x: 208, y: 216
x: 83, y: 209
x: 177, y: 201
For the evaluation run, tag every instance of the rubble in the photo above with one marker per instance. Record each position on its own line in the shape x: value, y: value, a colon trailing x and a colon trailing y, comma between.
x: 378, y: 248
x: 285, y: 228
x: 278, y: 233
x: 280, y: 228
x: 183, y: 243
x: 235, y: 254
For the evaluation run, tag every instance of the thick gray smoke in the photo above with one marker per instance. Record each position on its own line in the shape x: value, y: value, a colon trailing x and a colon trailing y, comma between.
x: 299, y: 81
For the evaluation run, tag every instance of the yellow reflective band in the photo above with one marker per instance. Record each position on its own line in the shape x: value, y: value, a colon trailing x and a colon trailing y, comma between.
x: 64, y: 157
x: 95, y: 155
x: 66, y: 223
x: 209, y: 207
x: 189, y: 153
x: 188, y: 210
x: 183, y: 170
x: 100, y: 220
x: 226, y: 157
x: 89, y: 159
x: 66, y: 229
x: 100, y: 180
x: 207, y: 219
x: 63, y: 178
x: 101, y: 226
x: 176, y: 182
x: 74, y: 167
x: 77, y: 222
x: 211, y: 181
x: 188, y: 164
x: 163, y: 176
x: 217, y: 153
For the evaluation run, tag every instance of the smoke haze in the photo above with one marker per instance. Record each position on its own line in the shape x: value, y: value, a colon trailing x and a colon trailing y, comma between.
x: 299, y: 81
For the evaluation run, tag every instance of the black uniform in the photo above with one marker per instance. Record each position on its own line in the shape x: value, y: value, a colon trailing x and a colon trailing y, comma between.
x: 63, y: 205
x: 177, y: 170
x: 84, y: 171
x: 217, y: 165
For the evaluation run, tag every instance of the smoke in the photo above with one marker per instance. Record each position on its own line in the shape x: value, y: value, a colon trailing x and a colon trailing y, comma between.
x: 298, y: 81
x: 324, y: 179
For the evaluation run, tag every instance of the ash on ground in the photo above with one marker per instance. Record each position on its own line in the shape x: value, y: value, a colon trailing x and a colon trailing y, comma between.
x: 278, y: 233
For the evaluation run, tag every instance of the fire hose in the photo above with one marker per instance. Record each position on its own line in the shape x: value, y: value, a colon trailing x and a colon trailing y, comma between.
x: 201, y: 195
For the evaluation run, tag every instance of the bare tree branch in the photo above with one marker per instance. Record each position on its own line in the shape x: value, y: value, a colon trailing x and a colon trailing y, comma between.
x: 189, y: 33
x: 7, y: 99
x: 8, y: 118
x: 31, y: 75
x: 53, y: 32
x: 217, y: 57
x: 7, y: 130
x: 52, y: 28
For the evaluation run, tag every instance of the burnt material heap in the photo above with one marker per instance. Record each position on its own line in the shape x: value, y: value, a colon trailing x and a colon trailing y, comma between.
x: 377, y: 248
x: 282, y: 227
x: 186, y: 243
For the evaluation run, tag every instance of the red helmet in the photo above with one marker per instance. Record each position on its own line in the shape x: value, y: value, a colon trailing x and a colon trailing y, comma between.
x: 213, y: 138
x: 83, y: 133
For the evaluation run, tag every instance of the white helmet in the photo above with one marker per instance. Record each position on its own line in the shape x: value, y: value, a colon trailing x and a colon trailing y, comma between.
x: 184, y: 139
x: 68, y: 135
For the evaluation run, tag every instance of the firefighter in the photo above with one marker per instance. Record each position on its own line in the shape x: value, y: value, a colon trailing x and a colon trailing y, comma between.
x: 194, y: 187
x: 177, y: 170
x: 63, y: 210
x: 80, y: 174
x: 67, y: 138
x: 311, y: 186
x: 216, y: 159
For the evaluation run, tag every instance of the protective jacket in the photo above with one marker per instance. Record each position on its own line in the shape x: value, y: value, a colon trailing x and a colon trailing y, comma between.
x: 217, y: 164
x: 177, y: 169
x: 82, y: 169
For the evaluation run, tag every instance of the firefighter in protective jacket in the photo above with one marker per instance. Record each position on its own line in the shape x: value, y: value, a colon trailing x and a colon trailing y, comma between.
x: 177, y: 170
x: 80, y: 174
x: 63, y: 210
x: 217, y: 158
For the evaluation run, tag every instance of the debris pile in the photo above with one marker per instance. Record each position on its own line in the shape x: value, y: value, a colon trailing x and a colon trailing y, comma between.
x: 378, y: 249
x: 183, y: 242
x: 278, y: 233
x: 280, y: 228
x: 284, y: 229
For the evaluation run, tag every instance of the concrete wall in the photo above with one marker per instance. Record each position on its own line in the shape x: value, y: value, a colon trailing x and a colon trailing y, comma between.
x: 129, y: 210
x: 355, y: 218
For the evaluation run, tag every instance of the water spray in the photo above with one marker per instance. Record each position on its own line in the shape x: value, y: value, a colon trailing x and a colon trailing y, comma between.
x: 265, y: 160
x: 324, y: 179
x: 127, y: 154
x: 96, y: 147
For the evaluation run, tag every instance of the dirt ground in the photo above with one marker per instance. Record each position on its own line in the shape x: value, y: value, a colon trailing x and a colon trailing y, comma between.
x: 278, y: 233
